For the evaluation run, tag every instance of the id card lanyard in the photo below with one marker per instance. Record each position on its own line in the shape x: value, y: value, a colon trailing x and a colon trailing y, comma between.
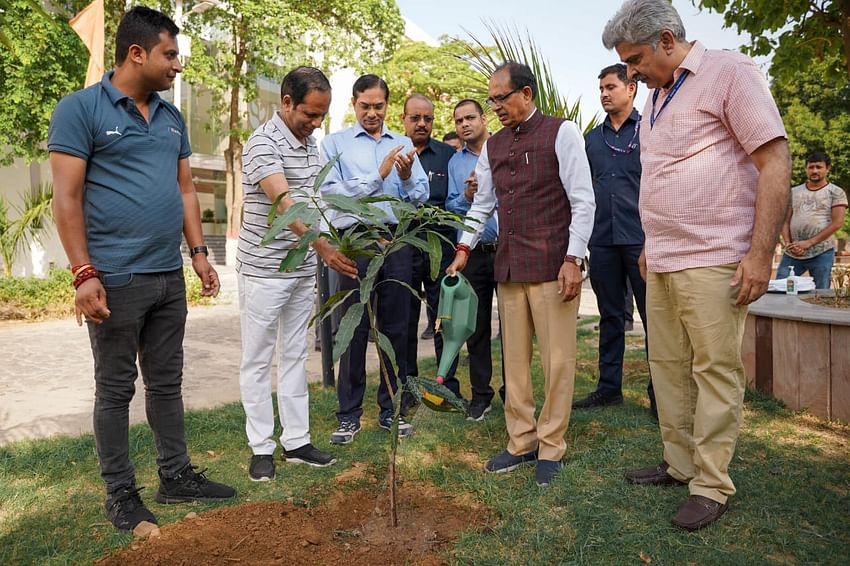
x: 653, y: 116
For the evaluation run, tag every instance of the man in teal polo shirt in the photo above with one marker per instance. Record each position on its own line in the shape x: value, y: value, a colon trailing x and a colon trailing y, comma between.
x: 123, y: 195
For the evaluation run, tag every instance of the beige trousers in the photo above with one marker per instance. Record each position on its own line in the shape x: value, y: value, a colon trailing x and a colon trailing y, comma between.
x: 695, y: 333
x: 527, y: 310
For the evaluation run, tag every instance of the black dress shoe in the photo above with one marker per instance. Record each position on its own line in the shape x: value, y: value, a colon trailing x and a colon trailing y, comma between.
x: 597, y: 399
x: 654, y: 475
x: 698, y: 512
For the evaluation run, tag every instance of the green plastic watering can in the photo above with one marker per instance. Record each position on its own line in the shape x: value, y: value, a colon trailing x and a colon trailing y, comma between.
x: 456, y: 315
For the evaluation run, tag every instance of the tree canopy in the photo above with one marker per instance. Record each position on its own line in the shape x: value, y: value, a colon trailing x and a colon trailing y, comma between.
x: 41, y: 60
x: 796, y: 32
x: 436, y: 72
x: 815, y: 108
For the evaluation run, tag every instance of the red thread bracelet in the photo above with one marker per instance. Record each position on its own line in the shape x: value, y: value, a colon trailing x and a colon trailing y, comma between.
x: 84, y: 274
x: 463, y: 248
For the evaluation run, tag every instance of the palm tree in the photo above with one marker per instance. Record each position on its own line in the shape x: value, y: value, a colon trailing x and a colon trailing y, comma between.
x: 510, y: 45
x: 33, y: 218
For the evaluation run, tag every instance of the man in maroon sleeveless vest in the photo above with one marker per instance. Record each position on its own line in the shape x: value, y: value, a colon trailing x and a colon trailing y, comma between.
x: 537, y: 169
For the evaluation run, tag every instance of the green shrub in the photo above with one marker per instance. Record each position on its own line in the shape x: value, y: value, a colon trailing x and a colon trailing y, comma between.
x: 34, y: 298
x: 193, y: 288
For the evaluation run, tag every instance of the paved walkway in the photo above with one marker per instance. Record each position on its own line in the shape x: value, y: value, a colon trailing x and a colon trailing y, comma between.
x: 46, y: 384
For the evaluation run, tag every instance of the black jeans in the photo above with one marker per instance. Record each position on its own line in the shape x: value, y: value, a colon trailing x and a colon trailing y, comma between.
x: 610, y: 268
x: 148, y: 320
x: 422, y: 279
x: 393, y: 307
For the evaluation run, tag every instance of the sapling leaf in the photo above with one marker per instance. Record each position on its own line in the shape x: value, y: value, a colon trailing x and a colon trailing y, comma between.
x: 289, y: 216
x: 295, y: 257
x: 435, y: 254
x: 273, y: 209
x: 334, y: 302
x: 368, y: 282
x: 347, y: 326
x: 387, y: 348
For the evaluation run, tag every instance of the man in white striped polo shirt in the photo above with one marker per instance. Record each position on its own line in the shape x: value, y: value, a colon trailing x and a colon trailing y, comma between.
x: 275, y: 306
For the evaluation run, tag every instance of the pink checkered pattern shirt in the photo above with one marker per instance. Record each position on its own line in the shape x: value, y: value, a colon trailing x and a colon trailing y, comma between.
x: 698, y: 186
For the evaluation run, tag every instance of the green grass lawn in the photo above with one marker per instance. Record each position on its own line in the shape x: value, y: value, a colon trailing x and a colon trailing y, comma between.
x: 792, y: 472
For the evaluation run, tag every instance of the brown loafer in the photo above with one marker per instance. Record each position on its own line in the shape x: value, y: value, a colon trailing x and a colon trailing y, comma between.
x: 654, y: 475
x: 698, y: 512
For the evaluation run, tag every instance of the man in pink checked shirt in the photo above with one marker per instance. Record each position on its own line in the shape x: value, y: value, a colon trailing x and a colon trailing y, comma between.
x: 713, y: 196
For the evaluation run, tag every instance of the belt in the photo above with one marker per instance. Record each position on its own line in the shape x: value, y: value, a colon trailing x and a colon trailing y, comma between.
x: 487, y: 247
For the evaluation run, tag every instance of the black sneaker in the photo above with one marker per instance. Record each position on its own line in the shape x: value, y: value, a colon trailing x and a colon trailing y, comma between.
x: 190, y: 485
x: 344, y: 433
x: 476, y: 411
x: 385, y: 421
x: 124, y: 508
x: 507, y: 462
x: 261, y: 468
x: 310, y: 455
x: 546, y: 471
x: 597, y: 399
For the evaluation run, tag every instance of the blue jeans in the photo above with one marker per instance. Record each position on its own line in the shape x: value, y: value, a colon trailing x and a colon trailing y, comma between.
x: 819, y: 267
x: 148, y: 320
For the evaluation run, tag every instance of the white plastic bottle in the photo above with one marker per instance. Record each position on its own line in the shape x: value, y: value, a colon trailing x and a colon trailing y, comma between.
x: 791, y: 282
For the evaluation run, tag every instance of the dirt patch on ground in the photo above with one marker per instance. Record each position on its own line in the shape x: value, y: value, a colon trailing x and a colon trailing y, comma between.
x: 350, y: 527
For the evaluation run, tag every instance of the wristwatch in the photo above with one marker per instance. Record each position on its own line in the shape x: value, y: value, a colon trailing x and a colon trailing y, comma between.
x: 576, y: 260
x: 199, y: 250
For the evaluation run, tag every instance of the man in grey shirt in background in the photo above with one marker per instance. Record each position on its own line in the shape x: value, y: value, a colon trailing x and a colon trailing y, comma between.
x: 275, y: 306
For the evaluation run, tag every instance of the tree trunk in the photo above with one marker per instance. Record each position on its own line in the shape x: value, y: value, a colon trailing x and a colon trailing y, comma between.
x: 233, y: 154
x: 844, y: 25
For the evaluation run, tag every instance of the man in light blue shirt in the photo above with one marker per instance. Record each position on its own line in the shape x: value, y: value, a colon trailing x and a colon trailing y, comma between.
x: 472, y: 128
x: 373, y: 161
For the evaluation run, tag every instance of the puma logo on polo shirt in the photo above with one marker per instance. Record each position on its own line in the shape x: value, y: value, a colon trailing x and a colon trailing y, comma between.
x: 115, y: 132
x: 175, y: 131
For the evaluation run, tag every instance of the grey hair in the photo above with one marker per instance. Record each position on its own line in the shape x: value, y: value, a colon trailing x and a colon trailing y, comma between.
x: 641, y: 22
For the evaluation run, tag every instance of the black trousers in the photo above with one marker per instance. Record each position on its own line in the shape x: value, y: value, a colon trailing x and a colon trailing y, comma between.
x: 479, y: 272
x: 422, y: 279
x: 611, y: 267
x: 392, y: 302
x: 147, y: 324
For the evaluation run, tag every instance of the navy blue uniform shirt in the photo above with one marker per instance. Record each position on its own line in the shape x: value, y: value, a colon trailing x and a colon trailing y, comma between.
x: 435, y: 161
x: 616, y: 182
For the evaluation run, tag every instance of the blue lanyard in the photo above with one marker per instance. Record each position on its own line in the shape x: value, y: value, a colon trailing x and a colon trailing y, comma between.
x: 653, y: 116
x: 629, y: 148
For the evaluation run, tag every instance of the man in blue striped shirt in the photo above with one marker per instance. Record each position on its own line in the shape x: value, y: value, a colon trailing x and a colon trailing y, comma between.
x: 373, y: 161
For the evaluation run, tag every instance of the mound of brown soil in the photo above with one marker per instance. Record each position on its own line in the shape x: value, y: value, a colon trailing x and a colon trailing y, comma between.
x: 350, y: 527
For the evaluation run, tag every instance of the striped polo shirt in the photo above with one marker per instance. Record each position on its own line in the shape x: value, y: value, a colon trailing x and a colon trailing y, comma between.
x: 271, y: 149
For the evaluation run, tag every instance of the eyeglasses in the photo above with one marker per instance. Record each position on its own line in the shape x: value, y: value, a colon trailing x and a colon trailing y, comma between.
x: 500, y: 99
x: 416, y: 118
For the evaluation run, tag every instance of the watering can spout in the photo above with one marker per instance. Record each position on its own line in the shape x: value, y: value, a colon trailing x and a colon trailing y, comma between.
x: 456, y: 318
